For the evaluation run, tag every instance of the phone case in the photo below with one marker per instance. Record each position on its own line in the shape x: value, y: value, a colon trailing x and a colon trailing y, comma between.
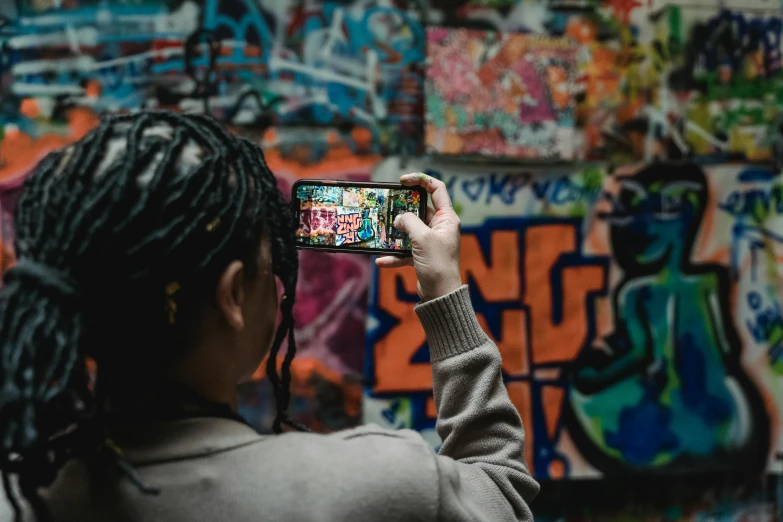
x: 366, y: 184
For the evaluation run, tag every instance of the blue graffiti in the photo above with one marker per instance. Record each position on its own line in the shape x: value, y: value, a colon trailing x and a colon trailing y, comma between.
x: 752, y: 207
x: 507, y: 188
x: 312, y: 65
x: 488, y: 188
x: 768, y: 319
x: 757, y: 238
x: 366, y: 230
x: 564, y: 191
x: 746, y: 36
x: 754, y: 202
x: 767, y: 324
x: 658, y: 398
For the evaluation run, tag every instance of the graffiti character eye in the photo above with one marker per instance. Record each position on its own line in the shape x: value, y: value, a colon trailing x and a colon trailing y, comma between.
x: 673, y: 200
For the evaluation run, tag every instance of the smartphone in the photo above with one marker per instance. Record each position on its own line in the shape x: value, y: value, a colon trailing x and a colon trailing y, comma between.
x: 356, y: 217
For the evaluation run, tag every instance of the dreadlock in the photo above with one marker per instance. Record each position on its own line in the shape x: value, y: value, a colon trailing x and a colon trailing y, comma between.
x: 145, y: 209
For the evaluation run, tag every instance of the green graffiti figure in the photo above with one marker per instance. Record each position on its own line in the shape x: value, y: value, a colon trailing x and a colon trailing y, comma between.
x: 667, y: 390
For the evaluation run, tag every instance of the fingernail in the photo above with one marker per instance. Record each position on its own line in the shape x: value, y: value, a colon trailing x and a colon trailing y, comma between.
x: 397, y: 220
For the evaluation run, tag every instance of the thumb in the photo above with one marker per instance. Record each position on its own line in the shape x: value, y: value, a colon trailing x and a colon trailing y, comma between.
x: 410, y: 224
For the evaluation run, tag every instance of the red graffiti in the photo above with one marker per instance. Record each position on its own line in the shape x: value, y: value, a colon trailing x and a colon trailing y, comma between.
x: 20, y: 152
x: 623, y: 9
x: 323, y: 218
x: 305, y: 221
x: 313, y: 220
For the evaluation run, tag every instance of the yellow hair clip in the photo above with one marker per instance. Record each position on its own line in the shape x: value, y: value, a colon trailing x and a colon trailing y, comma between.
x: 212, y: 225
x: 171, y: 304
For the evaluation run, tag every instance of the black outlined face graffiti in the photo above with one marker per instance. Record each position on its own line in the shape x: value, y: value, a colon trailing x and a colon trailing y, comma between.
x: 666, y: 391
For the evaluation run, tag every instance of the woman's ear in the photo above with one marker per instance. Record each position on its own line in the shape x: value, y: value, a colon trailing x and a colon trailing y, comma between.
x: 230, y: 295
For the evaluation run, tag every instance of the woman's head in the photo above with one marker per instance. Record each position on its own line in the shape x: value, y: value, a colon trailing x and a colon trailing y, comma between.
x: 155, y: 236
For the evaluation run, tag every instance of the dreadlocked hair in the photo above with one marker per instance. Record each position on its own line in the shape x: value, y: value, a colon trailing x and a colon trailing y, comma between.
x: 144, y: 206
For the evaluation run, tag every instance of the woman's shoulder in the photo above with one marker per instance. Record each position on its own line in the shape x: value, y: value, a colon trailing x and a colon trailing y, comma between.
x: 209, y: 466
x: 380, y: 466
x: 370, y: 443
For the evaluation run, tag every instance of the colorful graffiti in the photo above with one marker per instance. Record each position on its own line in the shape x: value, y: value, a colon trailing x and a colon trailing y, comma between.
x: 332, y: 293
x: 652, y: 79
x: 356, y: 217
x: 621, y: 321
x: 350, y: 65
x: 330, y: 317
x: 499, y: 94
x: 667, y: 385
x: 322, y: 398
x: 655, y: 80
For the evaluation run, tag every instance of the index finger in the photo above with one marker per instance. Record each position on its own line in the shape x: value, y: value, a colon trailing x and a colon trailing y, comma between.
x: 437, y: 189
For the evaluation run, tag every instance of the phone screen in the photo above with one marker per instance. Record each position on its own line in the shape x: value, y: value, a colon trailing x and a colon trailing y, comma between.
x: 354, y: 217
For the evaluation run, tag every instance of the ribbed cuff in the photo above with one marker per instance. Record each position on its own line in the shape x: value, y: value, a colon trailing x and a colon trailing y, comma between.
x: 450, y: 324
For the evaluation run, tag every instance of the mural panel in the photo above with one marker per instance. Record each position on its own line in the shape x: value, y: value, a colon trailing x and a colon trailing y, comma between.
x: 637, y: 315
x: 353, y: 65
x: 656, y: 79
x: 499, y: 95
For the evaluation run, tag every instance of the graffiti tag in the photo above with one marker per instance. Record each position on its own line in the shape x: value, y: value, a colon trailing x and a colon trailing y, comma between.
x: 348, y: 229
x: 756, y: 203
x: 767, y: 324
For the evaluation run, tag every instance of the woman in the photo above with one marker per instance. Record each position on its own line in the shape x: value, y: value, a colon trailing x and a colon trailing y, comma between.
x: 151, y: 247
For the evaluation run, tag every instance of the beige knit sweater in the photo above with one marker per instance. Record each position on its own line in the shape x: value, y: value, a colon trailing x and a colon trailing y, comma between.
x: 219, y: 470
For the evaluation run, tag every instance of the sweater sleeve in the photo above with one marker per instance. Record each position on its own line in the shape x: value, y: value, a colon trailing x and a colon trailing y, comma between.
x: 481, y: 467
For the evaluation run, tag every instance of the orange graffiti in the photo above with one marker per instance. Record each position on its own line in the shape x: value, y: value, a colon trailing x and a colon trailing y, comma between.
x: 544, y: 247
x: 20, y: 152
x: 557, y: 77
x: 299, y: 162
x: 29, y: 108
x: 519, y: 393
x: 348, y: 227
x: 622, y: 9
x: 7, y: 257
x: 362, y: 138
x: 393, y: 370
x: 552, y: 399
x: 603, y: 76
x: 556, y: 289
x: 306, y: 371
x: 512, y: 342
x: 430, y: 409
x: 521, y: 397
x: 583, y: 30
x: 94, y: 89
x: 499, y: 281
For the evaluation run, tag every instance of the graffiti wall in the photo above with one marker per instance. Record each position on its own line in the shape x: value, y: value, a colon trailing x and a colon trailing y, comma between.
x: 697, y: 81
x: 655, y: 79
x: 332, y: 290
x: 350, y: 71
x: 493, y: 94
x: 352, y: 65
x: 638, y: 315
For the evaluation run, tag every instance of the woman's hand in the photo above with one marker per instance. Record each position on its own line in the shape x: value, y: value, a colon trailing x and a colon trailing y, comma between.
x: 435, y: 244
